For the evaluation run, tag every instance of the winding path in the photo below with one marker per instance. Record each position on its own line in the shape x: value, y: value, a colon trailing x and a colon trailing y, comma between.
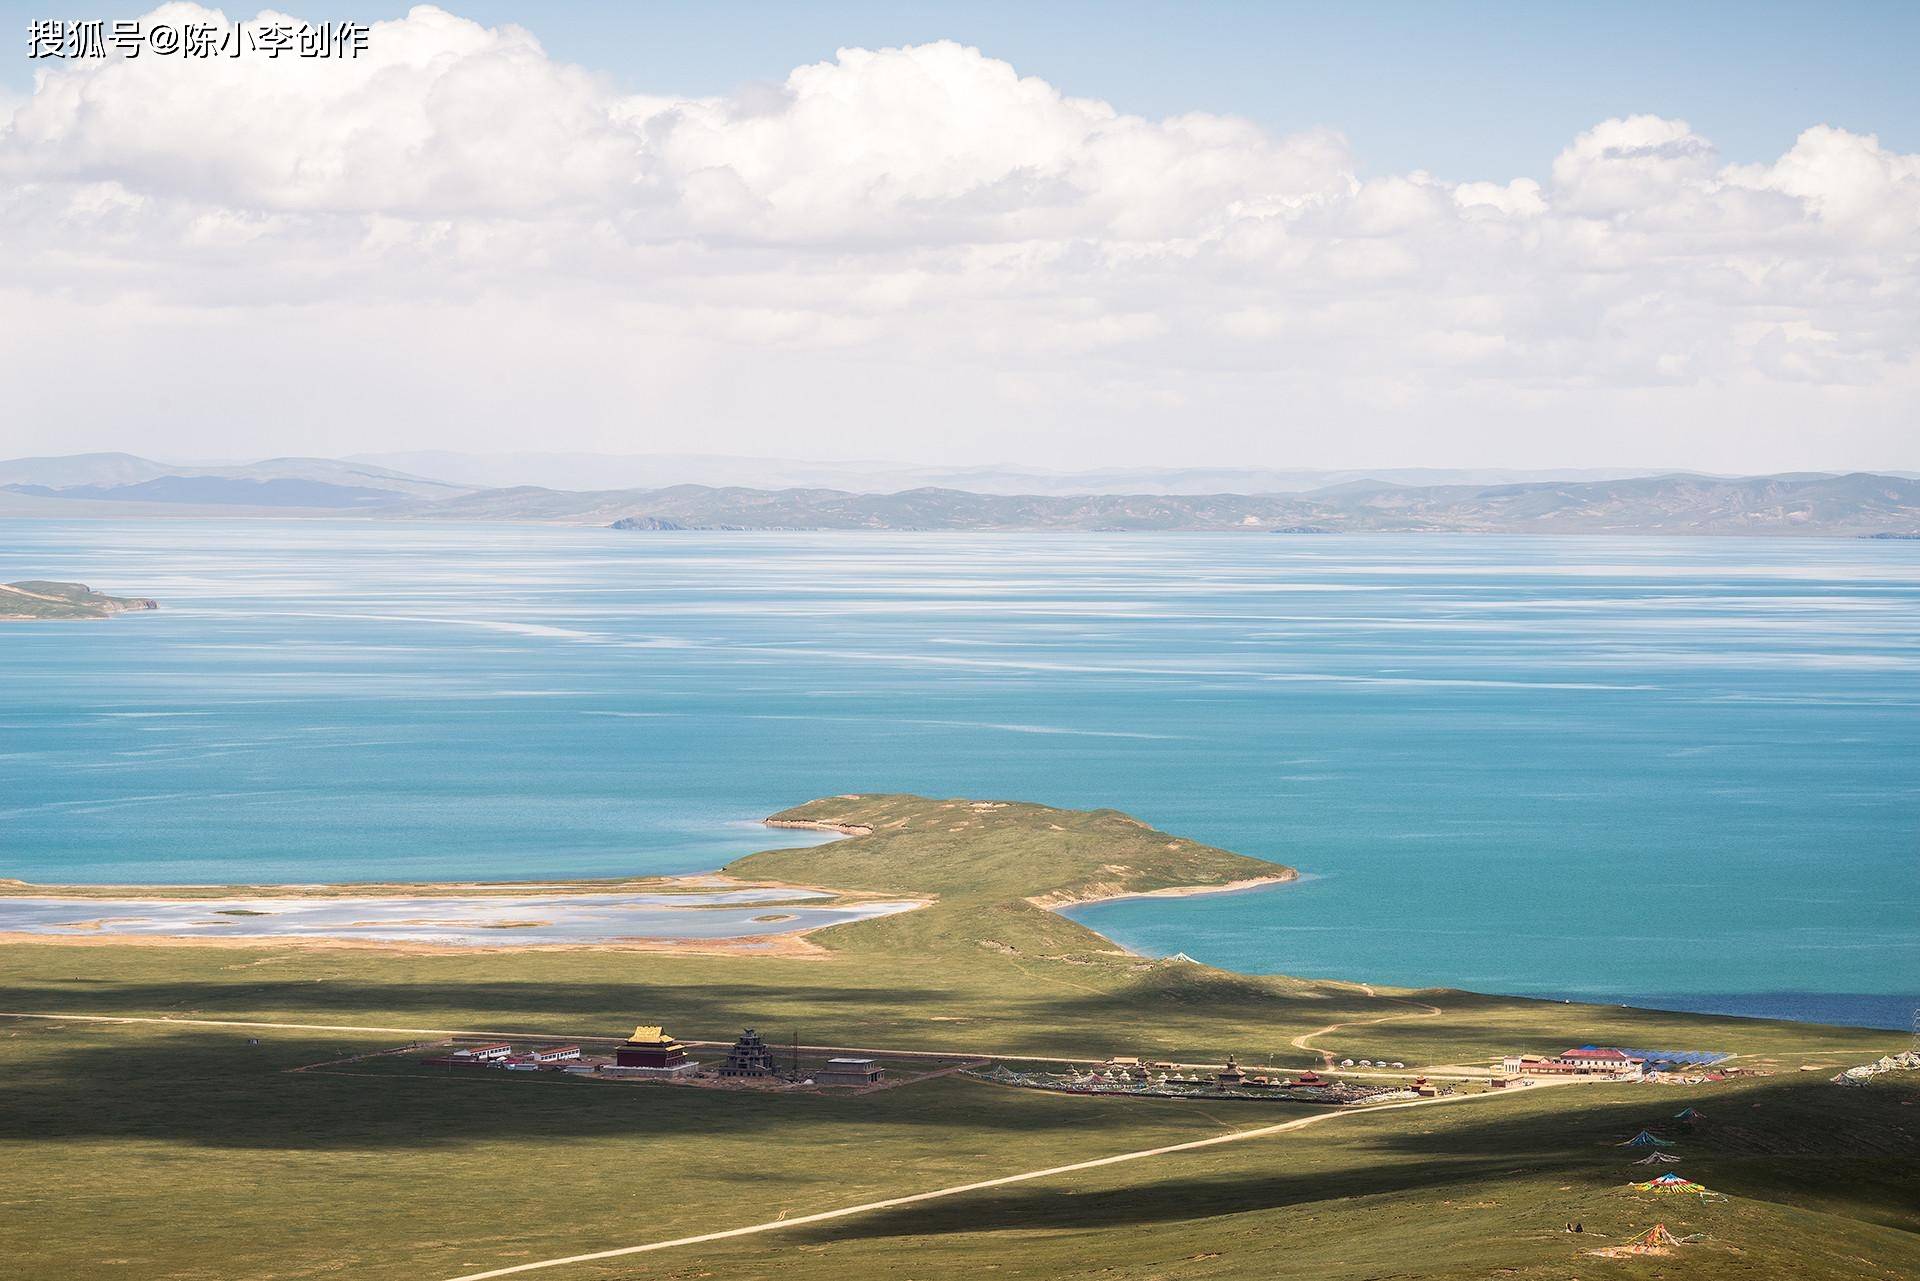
x: 1305, y: 1040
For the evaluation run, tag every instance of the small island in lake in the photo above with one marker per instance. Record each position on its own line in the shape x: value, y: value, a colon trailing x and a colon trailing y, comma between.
x: 41, y: 600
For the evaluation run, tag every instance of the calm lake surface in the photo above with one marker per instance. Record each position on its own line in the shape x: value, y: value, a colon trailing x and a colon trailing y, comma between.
x: 1678, y: 772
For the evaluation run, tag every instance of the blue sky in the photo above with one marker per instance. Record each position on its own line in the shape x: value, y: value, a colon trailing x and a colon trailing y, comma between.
x: 1468, y: 91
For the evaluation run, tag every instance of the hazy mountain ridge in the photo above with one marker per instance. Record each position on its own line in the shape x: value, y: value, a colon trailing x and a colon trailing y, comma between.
x: 1859, y: 503
x: 272, y: 482
x: 278, y: 491
x: 1682, y: 504
x: 585, y: 471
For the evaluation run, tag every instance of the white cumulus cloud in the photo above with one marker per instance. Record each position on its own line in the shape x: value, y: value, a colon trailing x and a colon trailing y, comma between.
x: 914, y: 252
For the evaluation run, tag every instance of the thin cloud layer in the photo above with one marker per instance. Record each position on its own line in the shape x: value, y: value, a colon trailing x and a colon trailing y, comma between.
x: 916, y: 251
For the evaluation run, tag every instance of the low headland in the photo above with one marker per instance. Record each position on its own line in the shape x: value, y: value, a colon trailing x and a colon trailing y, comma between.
x: 988, y: 852
x: 42, y: 600
x: 986, y: 882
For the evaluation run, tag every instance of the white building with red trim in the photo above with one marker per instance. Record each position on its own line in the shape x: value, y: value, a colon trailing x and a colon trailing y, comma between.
x: 1586, y: 1060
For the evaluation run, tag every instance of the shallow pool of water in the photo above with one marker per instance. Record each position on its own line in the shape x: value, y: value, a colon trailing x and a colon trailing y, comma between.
x: 491, y: 921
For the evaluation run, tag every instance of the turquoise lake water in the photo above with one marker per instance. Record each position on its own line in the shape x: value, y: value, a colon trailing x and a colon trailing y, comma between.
x: 1679, y: 772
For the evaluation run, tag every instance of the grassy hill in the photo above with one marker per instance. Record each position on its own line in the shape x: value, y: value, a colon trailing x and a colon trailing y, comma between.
x: 48, y: 600
x: 196, y: 1152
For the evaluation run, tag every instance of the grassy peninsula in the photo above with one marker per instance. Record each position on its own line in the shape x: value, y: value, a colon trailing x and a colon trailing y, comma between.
x: 37, y: 599
x: 993, y: 869
x: 204, y: 1146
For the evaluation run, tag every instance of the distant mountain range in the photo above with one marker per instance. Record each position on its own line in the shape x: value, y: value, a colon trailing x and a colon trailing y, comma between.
x: 1816, y: 503
x: 319, y: 483
x: 1676, y: 504
x: 660, y: 471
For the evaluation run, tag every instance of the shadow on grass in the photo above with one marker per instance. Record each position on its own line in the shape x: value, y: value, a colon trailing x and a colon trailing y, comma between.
x: 209, y: 1088
x: 1799, y: 1143
x: 877, y: 1011
x: 1054, y: 1010
x: 1051, y: 1206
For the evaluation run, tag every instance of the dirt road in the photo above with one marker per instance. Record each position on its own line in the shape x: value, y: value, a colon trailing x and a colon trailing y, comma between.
x: 1305, y: 1040
x: 776, y: 1225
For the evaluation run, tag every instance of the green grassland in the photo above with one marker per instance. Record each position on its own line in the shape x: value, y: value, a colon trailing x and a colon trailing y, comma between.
x: 1813, y: 1181
x: 181, y: 1151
